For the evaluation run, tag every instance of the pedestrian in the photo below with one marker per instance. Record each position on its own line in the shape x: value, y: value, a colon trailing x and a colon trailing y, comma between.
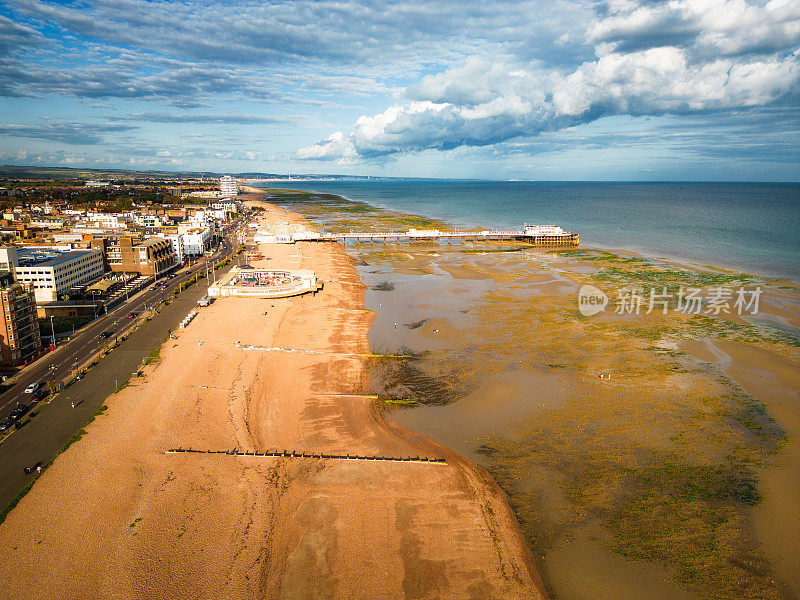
x: 72, y: 404
x: 39, y: 469
x: 28, y: 470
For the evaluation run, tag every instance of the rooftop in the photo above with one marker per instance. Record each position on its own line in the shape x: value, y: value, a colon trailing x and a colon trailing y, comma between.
x: 47, y: 257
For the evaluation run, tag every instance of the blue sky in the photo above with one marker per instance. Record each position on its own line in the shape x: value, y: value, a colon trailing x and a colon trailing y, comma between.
x: 546, y: 90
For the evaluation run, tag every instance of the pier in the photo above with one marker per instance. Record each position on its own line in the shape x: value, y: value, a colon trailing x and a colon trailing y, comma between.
x: 536, y: 235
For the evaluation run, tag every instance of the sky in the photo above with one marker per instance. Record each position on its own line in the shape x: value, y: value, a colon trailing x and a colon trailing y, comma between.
x: 541, y: 90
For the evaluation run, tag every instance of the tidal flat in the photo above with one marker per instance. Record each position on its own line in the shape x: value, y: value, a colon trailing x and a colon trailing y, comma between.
x: 644, y: 455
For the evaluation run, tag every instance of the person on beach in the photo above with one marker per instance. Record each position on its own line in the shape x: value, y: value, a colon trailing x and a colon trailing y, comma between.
x: 72, y: 404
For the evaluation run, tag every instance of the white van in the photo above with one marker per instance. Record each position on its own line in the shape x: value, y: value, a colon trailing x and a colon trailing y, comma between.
x: 204, y: 301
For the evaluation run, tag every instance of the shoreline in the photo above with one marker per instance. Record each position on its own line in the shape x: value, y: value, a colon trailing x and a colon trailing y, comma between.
x: 184, y: 525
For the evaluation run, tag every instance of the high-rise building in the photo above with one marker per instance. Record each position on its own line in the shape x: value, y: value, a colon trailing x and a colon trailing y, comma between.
x: 227, y: 186
x: 20, y: 341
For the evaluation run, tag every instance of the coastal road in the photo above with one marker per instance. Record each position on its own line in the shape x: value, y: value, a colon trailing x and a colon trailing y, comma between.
x: 62, y: 362
x: 40, y: 440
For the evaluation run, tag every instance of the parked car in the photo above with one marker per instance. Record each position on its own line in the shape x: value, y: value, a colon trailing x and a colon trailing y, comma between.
x: 7, y: 424
x: 40, y: 395
x: 19, y: 412
x: 34, y: 387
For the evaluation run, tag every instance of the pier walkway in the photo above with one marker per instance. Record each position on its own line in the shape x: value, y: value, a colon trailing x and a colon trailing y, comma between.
x: 538, y: 235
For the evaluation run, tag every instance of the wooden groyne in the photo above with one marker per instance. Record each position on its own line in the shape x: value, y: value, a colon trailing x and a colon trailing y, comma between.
x: 304, y: 454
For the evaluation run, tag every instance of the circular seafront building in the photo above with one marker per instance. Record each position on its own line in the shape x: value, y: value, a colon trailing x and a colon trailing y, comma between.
x: 248, y: 282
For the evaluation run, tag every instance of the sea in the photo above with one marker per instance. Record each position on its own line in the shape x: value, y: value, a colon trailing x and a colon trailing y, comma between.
x: 750, y: 227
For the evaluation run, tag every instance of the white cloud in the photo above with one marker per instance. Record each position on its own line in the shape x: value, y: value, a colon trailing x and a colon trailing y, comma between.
x: 709, y: 26
x: 334, y: 147
x: 485, y: 101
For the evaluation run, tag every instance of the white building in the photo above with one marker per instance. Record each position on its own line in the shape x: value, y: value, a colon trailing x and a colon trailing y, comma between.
x: 227, y: 187
x: 196, y: 240
x: 145, y: 220
x: 107, y: 220
x: 53, y: 272
x: 69, y: 238
x: 48, y: 223
x: 177, y: 245
x: 263, y: 237
x: 201, y: 218
x: 203, y: 194
x: 8, y: 259
x: 226, y: 204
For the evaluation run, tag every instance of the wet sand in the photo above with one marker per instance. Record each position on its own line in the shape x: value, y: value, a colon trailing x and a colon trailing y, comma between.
x: 775, y: 381
x: 507, y: 376
x: 115, y: 516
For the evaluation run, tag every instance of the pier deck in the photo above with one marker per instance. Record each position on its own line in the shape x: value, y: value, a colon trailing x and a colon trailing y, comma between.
x: 537, y: 235
x: 549, y: 236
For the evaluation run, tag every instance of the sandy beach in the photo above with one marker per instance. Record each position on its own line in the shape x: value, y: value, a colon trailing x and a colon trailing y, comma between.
x: 116, y: 516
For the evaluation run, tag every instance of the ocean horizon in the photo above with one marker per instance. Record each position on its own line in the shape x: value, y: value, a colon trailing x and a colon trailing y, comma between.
x: 750, y: 227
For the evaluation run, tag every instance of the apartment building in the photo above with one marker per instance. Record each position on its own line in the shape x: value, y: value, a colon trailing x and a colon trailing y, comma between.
x: 51, y: 272
x: 20, y: 341
x: 107, y: 221
x: 152, y: 256
x: 196, y: 240
x: 148, y: 220
x: 177, y: 245
x: 227, y: 186
x: 48, y: 223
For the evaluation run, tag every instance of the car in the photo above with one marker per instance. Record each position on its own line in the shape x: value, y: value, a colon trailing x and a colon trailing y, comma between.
x: 40, y: 395
x: 19, y: 412
x: 7, y: 424
x: 153, y: 288
x: 133, y: 315
x: 34, y: 387
x: 107, y: 334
